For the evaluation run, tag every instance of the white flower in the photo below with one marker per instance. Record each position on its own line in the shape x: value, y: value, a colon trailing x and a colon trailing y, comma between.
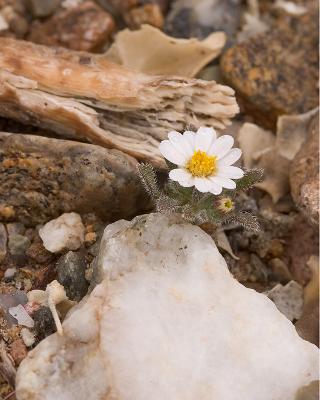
x: 203, y: 160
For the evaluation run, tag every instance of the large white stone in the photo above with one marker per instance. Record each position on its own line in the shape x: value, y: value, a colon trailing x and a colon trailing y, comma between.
x: 168, y: 322
x: 64, y: 232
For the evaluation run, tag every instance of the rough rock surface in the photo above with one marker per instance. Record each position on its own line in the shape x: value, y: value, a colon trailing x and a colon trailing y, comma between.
x: 277, y: 73
x: 3, y: 242
x: 64, y: 232
x: 168, y: 321
x: 83, y: 27
x: 40, y: 178
x: 304, y: 175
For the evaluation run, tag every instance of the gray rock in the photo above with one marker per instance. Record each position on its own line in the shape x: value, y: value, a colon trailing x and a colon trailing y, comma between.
x: 15, y: 228
x: 43, y: 8
x: 280, y: 270
x: 71, y: 269
x: 199, y: 18
x: 43, y: 323
x: 12, y: 300
x: 18, y: 244
x: 41, y: 178
x: 3, y: 242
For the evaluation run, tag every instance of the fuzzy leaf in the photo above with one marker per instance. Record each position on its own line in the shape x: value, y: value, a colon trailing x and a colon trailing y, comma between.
x: 250, y: 178
x: 182, y: 194
x: 245, y: 219
x: 149, y: 181
x: 166, y: 205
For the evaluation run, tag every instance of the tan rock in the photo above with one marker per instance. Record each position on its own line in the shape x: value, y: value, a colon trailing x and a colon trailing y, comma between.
x: 145, y: 14
x: 277, y: 72
x: 304, y: 175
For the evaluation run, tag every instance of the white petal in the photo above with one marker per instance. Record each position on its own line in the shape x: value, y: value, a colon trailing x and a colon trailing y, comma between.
x: 182, y: 176
x: 224, y: 182
x: 231, y: 157
x: 204, y: 138
x: 202, y: 184
x: 215, y: 189
x: 170, y: 153
x: 230, y: 172
x: 188, y: 139
x: 179, y: 174
x: 221, y: 146
x: 178, y: 142
x: 188, y: 183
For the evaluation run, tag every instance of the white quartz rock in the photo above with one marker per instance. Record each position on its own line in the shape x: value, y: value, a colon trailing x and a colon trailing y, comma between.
x: 168, y: 322
x: 64, y: 232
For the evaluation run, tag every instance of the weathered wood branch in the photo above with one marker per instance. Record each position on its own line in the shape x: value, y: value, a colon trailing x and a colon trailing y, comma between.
x: 85, y: 96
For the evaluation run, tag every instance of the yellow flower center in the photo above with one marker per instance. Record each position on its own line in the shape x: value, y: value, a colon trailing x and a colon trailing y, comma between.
x: 200, y: 164
x: 225, y: 204
x: 228, y: 204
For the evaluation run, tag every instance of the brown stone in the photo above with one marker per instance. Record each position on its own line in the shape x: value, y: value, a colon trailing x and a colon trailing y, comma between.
x: 304, y: 175
x: 3, y: 242
x: 277, y: 72
x: 146, y: 14
x: 39, y: 253
x: 309, y: 392
x: 41, y: 178
x: 42, y: 8
x: 18, y: 351
x: 84, y: 27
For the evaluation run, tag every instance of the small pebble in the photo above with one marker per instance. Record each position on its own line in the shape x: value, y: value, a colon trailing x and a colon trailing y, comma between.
x: 64, y: 232
x: 9, y: 273
x: 27, y: 337
x: 280, y: 270
x: 39, y: 253
x: 43, y: 323
x: 21, y: 315
x: 71, y: 269
x: 18, y: 244
x: 18, y: 351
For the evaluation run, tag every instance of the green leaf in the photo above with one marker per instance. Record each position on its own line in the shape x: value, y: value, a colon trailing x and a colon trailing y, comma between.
x: 181, y: 194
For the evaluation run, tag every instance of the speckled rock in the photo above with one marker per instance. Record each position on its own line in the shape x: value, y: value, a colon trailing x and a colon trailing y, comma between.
x: 71, y: 269
x: 83, y: 27
x: 276, y: 73
x: 43, y: 323
x: 304, y: 175
x: 41, y: 178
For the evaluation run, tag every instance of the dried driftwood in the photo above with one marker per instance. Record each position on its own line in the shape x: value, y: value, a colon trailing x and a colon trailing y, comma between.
x: 85, y: 96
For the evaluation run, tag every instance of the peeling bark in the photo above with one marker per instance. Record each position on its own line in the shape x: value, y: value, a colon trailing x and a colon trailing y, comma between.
x: 84, y: 96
